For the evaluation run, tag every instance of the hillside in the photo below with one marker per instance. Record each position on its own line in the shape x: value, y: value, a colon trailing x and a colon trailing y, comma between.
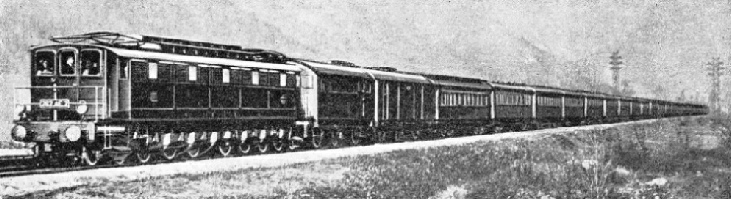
x: 561, y: 44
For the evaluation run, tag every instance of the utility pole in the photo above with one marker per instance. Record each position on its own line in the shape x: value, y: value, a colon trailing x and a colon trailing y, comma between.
x: 715, y: 70
x: 616, y: 61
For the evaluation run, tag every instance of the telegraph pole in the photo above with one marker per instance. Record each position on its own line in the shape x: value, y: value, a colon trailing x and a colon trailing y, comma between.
x: 616, y: 61
x: 715, y: 70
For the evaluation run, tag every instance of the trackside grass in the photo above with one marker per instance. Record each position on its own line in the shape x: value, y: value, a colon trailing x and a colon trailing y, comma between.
x: 673, y: 158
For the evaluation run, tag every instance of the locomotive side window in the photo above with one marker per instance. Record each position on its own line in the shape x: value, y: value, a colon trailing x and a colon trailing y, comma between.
x: 226, y: 75
x: 192, y: 73
x: 90, y: 62
x: 152, y: 71
x: 216, y: 75
x: 165, y: 72
x: 255, y: 77
x: 45, y: 63
x: 241, y: 76
x: 68, y: 63
x: 290, y: 79
x: 273, y: 78
x: 282, y: 79
x: 263, y: 78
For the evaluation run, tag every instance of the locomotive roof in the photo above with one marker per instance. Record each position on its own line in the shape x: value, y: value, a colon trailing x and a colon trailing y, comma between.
x: 173, y: 46
x: 199, y: 60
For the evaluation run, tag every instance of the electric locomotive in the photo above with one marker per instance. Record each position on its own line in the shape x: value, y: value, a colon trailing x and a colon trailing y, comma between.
x: 106, y: 96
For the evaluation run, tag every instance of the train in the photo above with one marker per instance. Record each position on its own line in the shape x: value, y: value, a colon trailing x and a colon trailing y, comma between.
x: 115, y: 98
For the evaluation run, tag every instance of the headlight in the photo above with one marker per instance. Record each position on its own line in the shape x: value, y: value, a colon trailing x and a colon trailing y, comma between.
x: 82, y: 107
x: 19, y: 133
x: 73, y: 133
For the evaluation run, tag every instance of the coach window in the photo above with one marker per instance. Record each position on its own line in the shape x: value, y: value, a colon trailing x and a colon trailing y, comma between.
x: 90, y: 62
x: 45, y: 63
x: 68, y: 62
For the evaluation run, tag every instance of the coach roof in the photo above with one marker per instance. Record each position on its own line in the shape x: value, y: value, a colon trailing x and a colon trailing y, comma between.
x: 329, y: 69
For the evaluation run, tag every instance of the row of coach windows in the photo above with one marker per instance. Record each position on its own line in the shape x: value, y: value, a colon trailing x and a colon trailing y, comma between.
x: 464, y: 99
x: 171, y: 72
x: 595, y: 102
x: 512, y: 98
x: 339, y: 85
x: 573, y: 102
x: 548, y: 101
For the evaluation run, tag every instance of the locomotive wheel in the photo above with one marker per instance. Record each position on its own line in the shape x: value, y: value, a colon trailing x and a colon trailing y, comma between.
x: 317, y: 138
x: 143, y: 156
x: 498, y: 129
x: 278, y: 145
x: 243, y: 148
x: 225, y: 148
x: 169, y: 153
x: 193, y: 152
x: 292, y: 145
x: 414, y: 135
x: 262, y: 146
x: 120, y: 161
x: 334, y: 140
x: 381, y: 136
x: 478, y: 131
x: 91, y: 157
x: 397, y: 136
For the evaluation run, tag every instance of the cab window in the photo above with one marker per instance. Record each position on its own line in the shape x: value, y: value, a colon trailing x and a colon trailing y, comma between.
x: 90, y: 62
x: 67, y: 63
x: 45, y: 64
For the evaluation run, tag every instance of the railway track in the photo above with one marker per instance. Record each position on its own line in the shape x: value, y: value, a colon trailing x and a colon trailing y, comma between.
x: 14, y: 166
x: 40, y: 179
x: 24, y: 166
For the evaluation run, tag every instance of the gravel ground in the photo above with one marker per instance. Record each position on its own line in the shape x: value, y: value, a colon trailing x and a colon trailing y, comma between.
x: 28, y: 184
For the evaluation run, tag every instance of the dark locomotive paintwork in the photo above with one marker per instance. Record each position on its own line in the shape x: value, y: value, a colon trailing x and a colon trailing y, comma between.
x: 169, y: 96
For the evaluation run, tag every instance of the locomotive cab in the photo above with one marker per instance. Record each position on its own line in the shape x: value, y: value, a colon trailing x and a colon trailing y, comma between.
x: 68, y: 89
